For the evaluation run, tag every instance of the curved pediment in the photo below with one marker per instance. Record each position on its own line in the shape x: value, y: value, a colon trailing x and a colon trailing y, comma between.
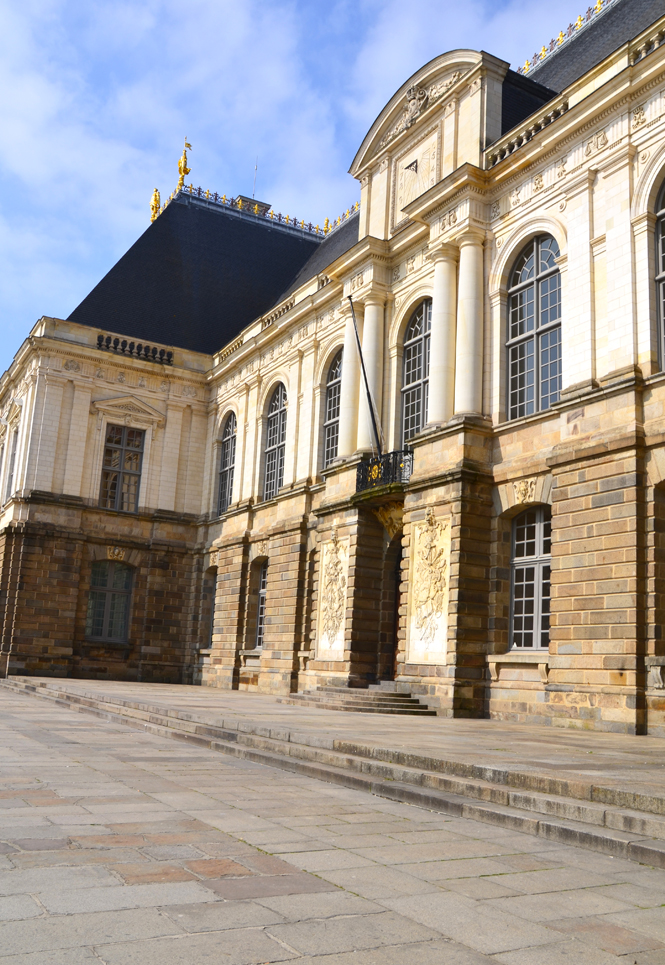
x: 415, y: 99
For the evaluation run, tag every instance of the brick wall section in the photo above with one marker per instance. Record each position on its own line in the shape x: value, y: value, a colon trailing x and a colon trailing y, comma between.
x: 287, y: 567
x: 599, y: 593
x: 365, y: 591
x: 222, y: 666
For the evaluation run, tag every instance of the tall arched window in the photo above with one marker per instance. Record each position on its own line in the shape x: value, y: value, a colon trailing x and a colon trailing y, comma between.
x: 261, y: 605
x: 415, y: 377
x: 275, y: 439
x: 534, y: 329
x: 331, y: 416
x: 107, y: 618
x: 530, y: 580
x: 660, y: 270
x: 227, y: 464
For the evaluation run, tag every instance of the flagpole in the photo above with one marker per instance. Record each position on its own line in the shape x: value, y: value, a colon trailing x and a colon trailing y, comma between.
x: 370, y: 401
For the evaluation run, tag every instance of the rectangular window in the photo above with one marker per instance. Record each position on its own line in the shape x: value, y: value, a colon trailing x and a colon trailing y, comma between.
x: 107, y: 618
x: 530, y: 603
x: 522, y: 379
x: 121, y: 472
x: 261, y: 608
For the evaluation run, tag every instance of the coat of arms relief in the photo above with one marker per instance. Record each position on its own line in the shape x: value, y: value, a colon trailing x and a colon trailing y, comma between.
x: 429, y: 589
x: 332, y: 594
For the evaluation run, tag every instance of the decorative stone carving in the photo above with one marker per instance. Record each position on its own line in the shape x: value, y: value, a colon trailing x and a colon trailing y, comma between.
x: 656, y: 678
x: 142, y: 383
x: 189, y: 392
x: 390, y: 515
x: 410, y: 264
x: 496, y: 210
x: 428, y: 589
x: 116, y: 553
x: 416, y: 102
x: 415, y: 173
x: 121, y: 377
x: 99, y: 374
x: 448, y: 220
x: 71, y: 365
x: 332, y: 602
x: 214, y: 557
x: 357, y: 281
x: 261, y: 548
x: 515, y: 197
x: 396, y: 273
x: 596, y: 143
x: 524, y: 490
x: 538, y: 182
x: 561, y: 168
x: 639, y: 117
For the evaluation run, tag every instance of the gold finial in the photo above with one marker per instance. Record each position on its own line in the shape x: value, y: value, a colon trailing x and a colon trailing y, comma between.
x: 579, y: 22
x: 543, y: 52
x: 272, y: 214
x: 317, y: 229
x: 223, y: 199
x: 302, y: 223
x: 527, y: 66
x: 183, y: 170
x: 560, y: 39
x: 207, y: 192
x: 357, y: 205
x: 256, y: 209
x: 240, y: 203
x: 287, y: 219
x: 599, y: 6
x: 155, y: 204
x: 326, y: 226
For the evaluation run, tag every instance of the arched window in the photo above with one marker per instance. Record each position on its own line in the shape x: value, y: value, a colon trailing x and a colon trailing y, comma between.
x: 331, y: 417
x: 275, y: 439
x: 660, y: 270
x: 227, y: 464
x: 534, y: 329
x: 107, y: 618
x: 261, y: 605
x: 415, y: 377
x: 530, y: 580
x: 12, y: 464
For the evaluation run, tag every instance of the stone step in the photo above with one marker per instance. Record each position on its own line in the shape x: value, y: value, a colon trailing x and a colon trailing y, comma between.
x: 357, y: 708
x: 486, y: 794
x: 360, y: 701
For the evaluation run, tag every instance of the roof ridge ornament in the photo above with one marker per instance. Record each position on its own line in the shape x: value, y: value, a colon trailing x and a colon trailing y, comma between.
x: 183, y: 170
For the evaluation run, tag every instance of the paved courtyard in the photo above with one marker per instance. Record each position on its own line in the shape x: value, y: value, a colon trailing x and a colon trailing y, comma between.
x: 122, y: 847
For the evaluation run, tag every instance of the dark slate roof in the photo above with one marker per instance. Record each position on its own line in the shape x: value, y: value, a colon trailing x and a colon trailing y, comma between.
x: 333, y: 247
x: 619, y: 23
x: 197, y: 276
x: 521, y: 97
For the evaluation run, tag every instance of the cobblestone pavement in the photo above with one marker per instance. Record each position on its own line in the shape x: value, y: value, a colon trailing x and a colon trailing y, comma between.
x: 121, y: 847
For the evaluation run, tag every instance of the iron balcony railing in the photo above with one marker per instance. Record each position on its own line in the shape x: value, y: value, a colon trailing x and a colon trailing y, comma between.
x: 391, y: 467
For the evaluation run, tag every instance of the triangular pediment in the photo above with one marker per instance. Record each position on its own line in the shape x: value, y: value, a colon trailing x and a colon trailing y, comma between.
x: 129, y: 407
x: 414, y: 102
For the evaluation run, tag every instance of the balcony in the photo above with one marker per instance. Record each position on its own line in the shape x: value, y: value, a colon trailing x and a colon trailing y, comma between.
x: 391, y: 467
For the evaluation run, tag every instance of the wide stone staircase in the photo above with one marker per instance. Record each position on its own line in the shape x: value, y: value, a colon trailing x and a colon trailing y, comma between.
x: 618, y: 820
x: 377, y: 699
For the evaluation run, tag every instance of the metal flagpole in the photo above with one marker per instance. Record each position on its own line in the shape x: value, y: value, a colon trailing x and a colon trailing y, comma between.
x: 370, y: 400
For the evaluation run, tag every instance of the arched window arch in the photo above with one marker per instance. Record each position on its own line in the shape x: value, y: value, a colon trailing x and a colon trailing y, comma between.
x: 275, y: 440
x: 660, y: 270
x: 107, y: 618
x: 530, y: 579
x: 534, y: 329
x: 331, y: 412
x: 415, y: 371
x: 227, y: 463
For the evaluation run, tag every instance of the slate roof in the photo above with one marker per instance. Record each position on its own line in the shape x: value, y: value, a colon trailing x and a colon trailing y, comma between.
x: 520, y: 97
x: 620, y: 22
x: 197, y: 276
x: 331, y: 248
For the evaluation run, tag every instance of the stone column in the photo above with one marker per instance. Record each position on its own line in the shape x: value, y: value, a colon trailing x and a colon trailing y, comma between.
x: 469, y: 354
x: 443, y: 335
x: 348, y: 404
x: 373, y: 354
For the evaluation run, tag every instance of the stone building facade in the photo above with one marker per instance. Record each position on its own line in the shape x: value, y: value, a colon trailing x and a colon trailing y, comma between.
x: 226, y: 517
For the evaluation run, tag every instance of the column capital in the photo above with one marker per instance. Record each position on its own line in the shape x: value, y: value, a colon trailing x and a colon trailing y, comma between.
x: 445, y: 251
x: 472, y: 236
x: 374, y: 298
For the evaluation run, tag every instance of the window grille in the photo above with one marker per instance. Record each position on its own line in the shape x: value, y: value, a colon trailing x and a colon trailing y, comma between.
x: 261, y: 605
x: 107, y: 618
x: 534, y: 329
x: 227, y: 464
x: 331, y: 420
x: 275, y: 440
x: 415, y: 371
x: 530, y: 579
x: 121, y: 472
x: 12, y: 464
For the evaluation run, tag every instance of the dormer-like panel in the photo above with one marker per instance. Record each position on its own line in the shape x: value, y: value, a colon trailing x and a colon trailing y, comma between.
x: 442, y: 117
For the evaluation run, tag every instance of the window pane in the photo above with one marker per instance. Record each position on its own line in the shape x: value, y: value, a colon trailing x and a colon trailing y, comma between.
x: 270, y: 488
x: 411, y: 416
x: 94, y: 622
x: 114, y: 435
x: 129, y: 492
x: 524, y: 268
x: 122, y: 577
x: 522, y: 380
x: 550, y: 299
x: 549, y: 250
x: 134, y: 439
x: 545, y: 608
x: 109, y: 489
x: 100, y: 573
x: 118, y: 612
x: 331, y: 441
x: 522, y: 313
x: 525, y: 534
x: 524, y: 605
x: 550, y: 367
x: 112, y: 458
x: 332, y: 401
x: 413, y: 363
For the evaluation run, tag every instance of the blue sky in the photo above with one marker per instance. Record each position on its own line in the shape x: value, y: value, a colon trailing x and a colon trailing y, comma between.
x: 97, y: 97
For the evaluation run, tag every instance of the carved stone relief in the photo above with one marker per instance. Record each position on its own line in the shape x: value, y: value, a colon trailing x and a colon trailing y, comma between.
x: 390, y: 515
x: 332, y: 595
x: 115, y: 553
x: 639, y: 117
x: 71, y: 365
x: 525, y: 490
x: 538, y: 182
x: 428, y: 590
x: 596, y: 143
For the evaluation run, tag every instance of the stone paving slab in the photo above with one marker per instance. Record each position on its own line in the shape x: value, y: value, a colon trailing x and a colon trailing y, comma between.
x: 367, y: 881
